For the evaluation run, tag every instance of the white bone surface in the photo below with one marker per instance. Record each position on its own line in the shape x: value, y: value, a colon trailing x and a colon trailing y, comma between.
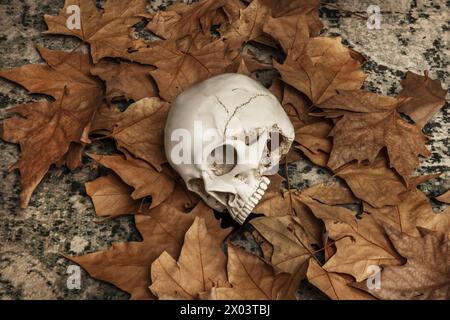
x: 242, y: 114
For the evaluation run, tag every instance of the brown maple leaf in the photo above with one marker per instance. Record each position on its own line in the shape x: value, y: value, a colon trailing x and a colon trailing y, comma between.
x: 374, y: 125
x: 376, y: 183
x: 325, y: 67
x: 249, y: 25
x: 64, y: 73
x: 314, y: 142
x: 426, y: 97
x: 426, y: 273
x: 111, y: 196
x: 145, y: 180
x: 359, y: 242
x: 292, y: 32
x: 49, y: 132
x: 444, y: 197
x: 139, y: 130
x: 200, y: 267
x: 107, y: 30
x: 252, y: 19
x: 44, y: 131
x: 414, y: 210
x: 278, y: 204
x: 251, y: 279
x: 334, y: 285
x: 127, y: 265
x: 182, y: 63
x: 290, y: 242
x: 298, y: 108
x: 125, y: 80
x: 180, y: 19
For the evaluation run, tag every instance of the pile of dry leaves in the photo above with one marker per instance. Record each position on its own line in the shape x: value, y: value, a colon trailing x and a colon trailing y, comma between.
x: 330, y: 234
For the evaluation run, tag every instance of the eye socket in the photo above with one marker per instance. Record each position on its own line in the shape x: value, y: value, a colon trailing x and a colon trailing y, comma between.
x: 223, y: 159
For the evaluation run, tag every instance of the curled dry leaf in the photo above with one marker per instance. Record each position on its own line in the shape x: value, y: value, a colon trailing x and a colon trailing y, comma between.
x: 107, y: 30
x: 426, y: 273
x: 249, y: 25
x: 140, y: 130
x: 425, y: 97
x: 314, y: 142
x: 200, y: 267
x: 414, y: 210
x: 180, y: 64
x: 334, y: 285
x: 125, y: 80
x: 359, y: 242
x: 44, y: 133
x: 444, y: 197
x: 65, y: 73
x: 251, y: 278
x: 297, y: 106
x: 292, y: 248
x: 289, y: 203
x: 377, y: 184
x: 180, y: 20
x: 292, y: 32
x: 145, y: 180
x: 46, y: 130
x: 111, y: 196
x: 325, y: 67
x: 361, y: 135
x: 127, y: 265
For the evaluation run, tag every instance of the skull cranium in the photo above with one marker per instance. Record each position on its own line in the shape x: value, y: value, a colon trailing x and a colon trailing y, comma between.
x: 223, y: 136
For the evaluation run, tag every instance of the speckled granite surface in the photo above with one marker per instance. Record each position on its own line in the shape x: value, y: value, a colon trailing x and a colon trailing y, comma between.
x: 414, y: 36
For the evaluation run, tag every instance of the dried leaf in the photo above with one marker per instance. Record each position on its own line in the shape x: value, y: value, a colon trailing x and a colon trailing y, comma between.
x: 126, y: 265
x: 376, y: 183
x: 141, y: 176
x: 290, y: 203
x: 64, y: 73
x: 251, y: 278
x: 334, y: 285
x: 46, y: 130
x: 180, y: 20
x: 200, y: 267
x: 415, y: 210
x: 359, y: 242
x: 325, y: 67
x: 45, y: 133
x: 297, y: 106
x: 315, y: 142
x: 426, y: 97
x: 290, y: 242
x: 425, y: 275
x: 444, y: 197
x: 249, y: 26
x: 181, y: 64
x: 291, y: 31
x: 125, y: 80
x: 107, y: 30
x: 111, y: 197
x: 140, y: 131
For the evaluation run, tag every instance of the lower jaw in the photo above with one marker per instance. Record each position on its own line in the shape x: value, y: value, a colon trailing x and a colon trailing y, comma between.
x: 241, y: 214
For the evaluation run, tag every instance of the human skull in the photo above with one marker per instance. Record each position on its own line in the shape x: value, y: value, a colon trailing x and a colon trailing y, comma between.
x: 223, y: 136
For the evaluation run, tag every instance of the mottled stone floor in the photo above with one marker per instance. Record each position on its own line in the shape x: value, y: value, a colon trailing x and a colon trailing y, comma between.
x: 414, y: 36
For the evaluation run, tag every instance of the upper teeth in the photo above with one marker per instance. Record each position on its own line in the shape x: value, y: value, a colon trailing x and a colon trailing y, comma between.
x: 247, y: 207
